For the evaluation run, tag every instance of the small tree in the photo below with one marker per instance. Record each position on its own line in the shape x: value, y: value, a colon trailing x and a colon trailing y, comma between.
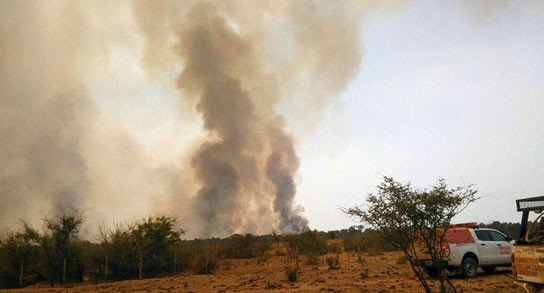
x: 154, y: 238
x: 241, y: 246
x: 402, y: 215
x: 309, y: 243
x: 277, y: 238
x: 16, y: 251
x: 57, y: 243
x: 118, y: 245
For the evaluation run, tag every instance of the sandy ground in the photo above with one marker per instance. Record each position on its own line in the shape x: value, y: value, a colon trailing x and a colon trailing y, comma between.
x: 384, y: 275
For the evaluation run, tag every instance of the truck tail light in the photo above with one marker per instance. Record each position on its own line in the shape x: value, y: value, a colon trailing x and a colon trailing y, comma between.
x: 445, y: 250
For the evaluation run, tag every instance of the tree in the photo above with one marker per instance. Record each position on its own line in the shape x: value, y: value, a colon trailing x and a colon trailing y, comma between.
x: 57, y: 243
x: 118, y: 246
x: 154, y: 237
x: 309, y: 243
x: 403, y: 215
x: 241, y: 245
x: 277, y: 238
x: 147, y: 246
x: 16, y: 251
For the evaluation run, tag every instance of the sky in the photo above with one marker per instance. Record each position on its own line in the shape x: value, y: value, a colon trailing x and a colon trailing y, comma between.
x: 438, y: 95
x: 426, y: 90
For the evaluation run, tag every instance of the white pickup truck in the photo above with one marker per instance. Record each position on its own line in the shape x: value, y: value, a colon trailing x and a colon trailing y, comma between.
x: 468, y: 247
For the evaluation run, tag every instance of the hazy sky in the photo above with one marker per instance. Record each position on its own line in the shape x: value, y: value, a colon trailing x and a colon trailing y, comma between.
x: 445, y: 89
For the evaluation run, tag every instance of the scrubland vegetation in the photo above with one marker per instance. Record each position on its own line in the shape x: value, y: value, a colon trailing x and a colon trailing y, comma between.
x: 156, y: 246
x: 153, y: 247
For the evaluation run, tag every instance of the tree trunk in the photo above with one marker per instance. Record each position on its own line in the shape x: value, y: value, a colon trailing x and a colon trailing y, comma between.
x: 21, y: 275
x: 64, y: 271
x: 140, y: 266
x: 106, y: 270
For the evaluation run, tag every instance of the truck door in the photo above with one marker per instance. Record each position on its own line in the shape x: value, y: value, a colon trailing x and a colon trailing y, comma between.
x: 487, y: 248
x: 504, y: 247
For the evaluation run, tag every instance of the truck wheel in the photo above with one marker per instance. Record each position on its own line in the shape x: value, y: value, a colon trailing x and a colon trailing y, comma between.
x: 432, y: 272
x: 489, y: 270
x: 470, y: 267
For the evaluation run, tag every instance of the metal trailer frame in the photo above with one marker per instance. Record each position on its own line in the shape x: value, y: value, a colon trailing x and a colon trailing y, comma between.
x: 525, y: 205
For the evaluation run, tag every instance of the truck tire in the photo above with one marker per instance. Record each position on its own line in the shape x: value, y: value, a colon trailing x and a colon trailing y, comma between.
x: 470, y: 267
x: 432, y: 272
x: 489, y: 270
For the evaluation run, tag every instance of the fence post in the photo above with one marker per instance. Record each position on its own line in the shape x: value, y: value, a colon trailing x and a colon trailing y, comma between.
x: 140, y: 267
x: 296, y: 255
x: 64, y: 271
x: 21, y: 275
x: 206, y: 267
x: 106, y: 271
x: 175, y: 262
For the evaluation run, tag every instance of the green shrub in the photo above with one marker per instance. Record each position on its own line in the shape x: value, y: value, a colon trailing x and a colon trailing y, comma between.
x: 364, y: 274
x: 291, y: 273
x: 333, y: 262
x: 364, y: 269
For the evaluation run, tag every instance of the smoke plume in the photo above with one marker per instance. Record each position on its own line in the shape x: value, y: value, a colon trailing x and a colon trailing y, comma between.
x: 243, y: 67
x: 228, y: 164
x: 57, y: 150
x: 240, y: 59
x: 44, y: 110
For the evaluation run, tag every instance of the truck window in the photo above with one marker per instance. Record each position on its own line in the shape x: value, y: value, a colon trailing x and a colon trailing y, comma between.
x: 497, y: 236
x: 483, y: 235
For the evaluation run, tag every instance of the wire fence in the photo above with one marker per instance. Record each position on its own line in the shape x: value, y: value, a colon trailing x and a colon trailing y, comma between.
x: 72, y: 270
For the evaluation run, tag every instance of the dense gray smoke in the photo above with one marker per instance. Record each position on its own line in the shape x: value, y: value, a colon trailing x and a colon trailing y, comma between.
x: 244, y: 67
x: 44, y: 112
x: 281, y: 166
x: 227, y: 165
x: 239, y: 60
x: 56, y: 149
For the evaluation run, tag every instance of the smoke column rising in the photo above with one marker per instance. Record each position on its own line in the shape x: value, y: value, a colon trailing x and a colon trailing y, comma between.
x: 237, y: 66
x: 242, y: 66
x: 228, y: 164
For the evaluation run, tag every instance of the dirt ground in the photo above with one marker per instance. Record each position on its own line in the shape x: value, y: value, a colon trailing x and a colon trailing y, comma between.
x: 384, y: 275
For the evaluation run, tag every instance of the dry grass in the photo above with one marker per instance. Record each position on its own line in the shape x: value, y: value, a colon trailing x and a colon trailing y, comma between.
x: 379, y: 273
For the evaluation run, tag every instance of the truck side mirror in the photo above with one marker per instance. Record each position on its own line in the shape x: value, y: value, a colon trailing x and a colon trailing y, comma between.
x: 508, y: 238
